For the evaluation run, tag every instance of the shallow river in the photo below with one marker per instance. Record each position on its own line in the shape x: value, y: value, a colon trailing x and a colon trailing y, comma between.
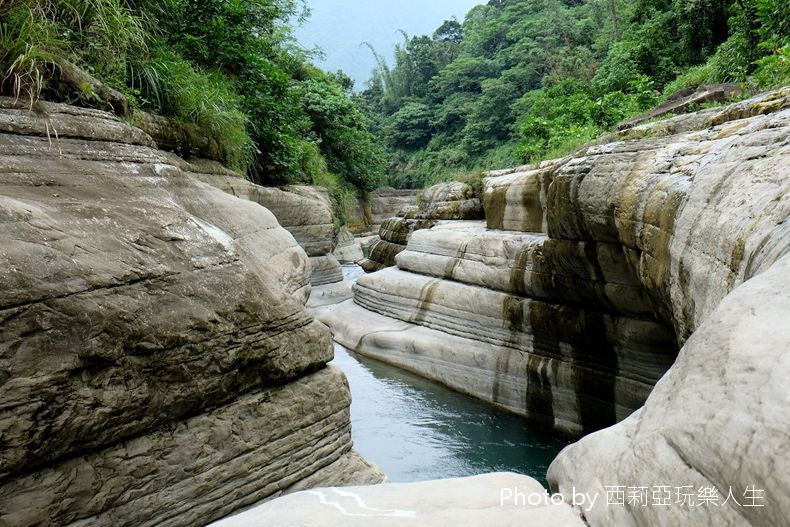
x: 416, y: 429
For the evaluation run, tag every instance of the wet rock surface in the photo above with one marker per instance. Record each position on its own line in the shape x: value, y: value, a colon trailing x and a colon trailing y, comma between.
x: 154, y: 341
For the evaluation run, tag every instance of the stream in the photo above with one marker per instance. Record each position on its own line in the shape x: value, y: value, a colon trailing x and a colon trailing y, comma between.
x: 416, y: 429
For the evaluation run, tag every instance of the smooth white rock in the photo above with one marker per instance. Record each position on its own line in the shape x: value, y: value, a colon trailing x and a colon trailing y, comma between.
x: 473, y: 502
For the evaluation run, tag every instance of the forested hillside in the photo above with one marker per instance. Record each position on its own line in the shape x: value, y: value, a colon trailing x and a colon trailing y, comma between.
x: 515, y: 81
x: 524, y: 80
x: 227, y: 69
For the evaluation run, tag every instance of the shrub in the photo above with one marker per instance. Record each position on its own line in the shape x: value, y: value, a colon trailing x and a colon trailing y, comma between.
x: 692, y: 78
x: 315, y: 172
x: 773, y: 70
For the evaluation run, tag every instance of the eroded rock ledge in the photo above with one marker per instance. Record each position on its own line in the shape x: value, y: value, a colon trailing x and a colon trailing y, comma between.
x: 445, y: 201
x: 305, y: 212
x: 157, y: 366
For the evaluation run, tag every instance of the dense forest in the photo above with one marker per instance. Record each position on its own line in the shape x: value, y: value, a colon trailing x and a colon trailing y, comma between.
x: 524, y: 80
x: 515, y: 81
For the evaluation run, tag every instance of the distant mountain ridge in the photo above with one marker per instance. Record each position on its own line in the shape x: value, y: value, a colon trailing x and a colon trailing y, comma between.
x: 339, y: 27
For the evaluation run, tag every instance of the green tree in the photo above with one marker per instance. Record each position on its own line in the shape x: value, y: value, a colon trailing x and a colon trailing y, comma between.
x: 411, y: 126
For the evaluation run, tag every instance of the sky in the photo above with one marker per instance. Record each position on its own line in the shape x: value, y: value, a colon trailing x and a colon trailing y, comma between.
x: 339, y: 27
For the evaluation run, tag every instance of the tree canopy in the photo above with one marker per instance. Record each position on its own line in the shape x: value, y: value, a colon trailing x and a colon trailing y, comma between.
x: 523, y: 80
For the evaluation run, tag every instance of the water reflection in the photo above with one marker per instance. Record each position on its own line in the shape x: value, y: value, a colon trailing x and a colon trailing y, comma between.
x: 415, y: 429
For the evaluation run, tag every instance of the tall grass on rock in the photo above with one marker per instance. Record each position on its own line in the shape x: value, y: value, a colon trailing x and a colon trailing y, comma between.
x: 115, y: 44
x: 203, y: 101
x: 30, y: 46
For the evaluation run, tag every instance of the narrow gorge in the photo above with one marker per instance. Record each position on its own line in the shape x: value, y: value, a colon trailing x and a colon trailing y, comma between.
x: 532, y: 268
x: 641, y: 281
x: 158, y: 365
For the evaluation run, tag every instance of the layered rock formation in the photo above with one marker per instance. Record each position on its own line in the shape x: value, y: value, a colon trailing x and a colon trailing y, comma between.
x: 719, y: 419
x: 384, y: 203
x: 392, y: 239
x: 157, y: 366
x: 445, y: 201
x: 304, y: 211
x: 590, y: 272
x: 449, y: 201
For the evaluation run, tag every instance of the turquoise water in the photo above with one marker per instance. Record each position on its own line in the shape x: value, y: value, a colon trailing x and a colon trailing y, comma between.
x: 416, y: 429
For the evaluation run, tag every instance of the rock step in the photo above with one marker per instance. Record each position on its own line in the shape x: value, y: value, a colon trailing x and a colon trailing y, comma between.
x: 393, y: 236
x: 600, y: 276
x: 397, y: 230
x: 445, y: 201
x: 640, y: 349
x: 325, y: 270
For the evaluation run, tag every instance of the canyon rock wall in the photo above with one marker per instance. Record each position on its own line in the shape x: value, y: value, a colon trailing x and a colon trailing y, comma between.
x: 718, y: 420
x: 571, y: 301
x: 721, y: 270
x: 157, y: 366
x: 304, y: 211
x: 384, y: 203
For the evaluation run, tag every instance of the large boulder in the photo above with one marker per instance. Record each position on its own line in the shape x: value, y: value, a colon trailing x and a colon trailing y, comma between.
x: 155, y: 345
x: 348, y: 248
